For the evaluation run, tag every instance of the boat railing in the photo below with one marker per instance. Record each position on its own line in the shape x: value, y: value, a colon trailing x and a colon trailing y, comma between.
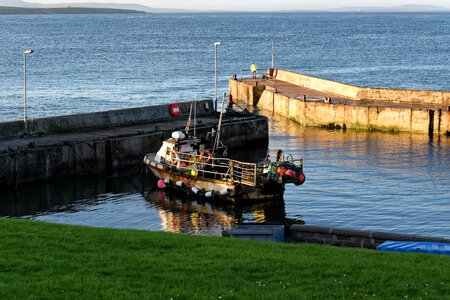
x: 279, y: 156
x: 214, y: 168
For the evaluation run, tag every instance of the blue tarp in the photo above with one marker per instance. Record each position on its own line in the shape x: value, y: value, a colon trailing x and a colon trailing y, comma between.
x: 420, y: 247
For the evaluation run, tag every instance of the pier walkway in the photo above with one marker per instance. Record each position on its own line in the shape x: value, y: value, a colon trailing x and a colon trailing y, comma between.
x: 314, y: 101
x: 310, y: 95
x: 105, y: 148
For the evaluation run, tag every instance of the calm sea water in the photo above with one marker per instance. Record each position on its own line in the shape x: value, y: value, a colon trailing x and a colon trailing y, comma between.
x: 88, y: 63
x: 360, y: 180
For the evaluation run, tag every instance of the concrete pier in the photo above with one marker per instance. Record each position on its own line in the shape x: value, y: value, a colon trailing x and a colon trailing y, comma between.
x: 313, y: 101
x: 350, y: 237
x: 106, y: 142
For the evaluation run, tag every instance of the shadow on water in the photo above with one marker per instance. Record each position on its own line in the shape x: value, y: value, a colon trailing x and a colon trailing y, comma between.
x: 396, y: 182
x: 132, y: 202
x: 63, y: 195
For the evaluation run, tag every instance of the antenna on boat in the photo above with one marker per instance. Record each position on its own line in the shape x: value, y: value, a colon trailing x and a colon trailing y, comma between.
x: 217, y: 140
x: 188, y: 124
x: 195, y: 113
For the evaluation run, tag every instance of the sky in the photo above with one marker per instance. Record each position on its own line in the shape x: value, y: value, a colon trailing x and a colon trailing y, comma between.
x: 258, y: 4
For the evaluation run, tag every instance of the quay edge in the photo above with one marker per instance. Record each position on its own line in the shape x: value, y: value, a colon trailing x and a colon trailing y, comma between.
x: 312, y: 101
x: 345, y: 237
x: 103, y: 147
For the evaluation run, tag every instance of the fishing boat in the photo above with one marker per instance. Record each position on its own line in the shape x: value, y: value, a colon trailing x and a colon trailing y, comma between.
x: 188, y: 163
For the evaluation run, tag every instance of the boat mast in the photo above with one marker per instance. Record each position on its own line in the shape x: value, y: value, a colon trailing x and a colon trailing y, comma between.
x: 188, y: 123
x: 217, y: 140
x: 195, y: 113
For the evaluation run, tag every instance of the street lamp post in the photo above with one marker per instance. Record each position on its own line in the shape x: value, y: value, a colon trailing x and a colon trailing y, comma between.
x: 216, y: 44
x: 25, y: 119
x: 273, y: 54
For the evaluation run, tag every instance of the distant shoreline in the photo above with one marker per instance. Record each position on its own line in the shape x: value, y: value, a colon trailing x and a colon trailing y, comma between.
x: 8, y: 10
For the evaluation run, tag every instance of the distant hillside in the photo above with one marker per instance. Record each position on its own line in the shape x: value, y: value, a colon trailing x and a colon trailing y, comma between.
x: 8, y: 10
x: 124, y: 6
x: 142, y: 8
x: 401, y: 8
x: 121, y: 6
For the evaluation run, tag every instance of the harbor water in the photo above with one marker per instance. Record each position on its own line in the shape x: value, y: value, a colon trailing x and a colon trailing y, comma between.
x: 391, y: 182
x: 360, y: 180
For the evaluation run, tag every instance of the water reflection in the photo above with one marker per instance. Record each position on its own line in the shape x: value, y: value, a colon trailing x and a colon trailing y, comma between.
x: 186, y: 215
x: 397, y: 182
x: 130, y: 203
x: 64, y: 195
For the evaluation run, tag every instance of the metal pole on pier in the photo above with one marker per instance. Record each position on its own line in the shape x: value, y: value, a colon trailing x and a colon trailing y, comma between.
x: 25, y: 117
x: 273, y: 54
x: 216, y: 44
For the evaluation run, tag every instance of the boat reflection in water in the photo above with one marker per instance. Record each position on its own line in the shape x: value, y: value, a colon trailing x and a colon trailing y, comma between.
x: 130, y: 203
x: 182, y: 215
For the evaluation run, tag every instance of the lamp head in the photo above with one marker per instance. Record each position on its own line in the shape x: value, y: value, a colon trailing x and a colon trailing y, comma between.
x: 217, y: 44
x: 28, y: 51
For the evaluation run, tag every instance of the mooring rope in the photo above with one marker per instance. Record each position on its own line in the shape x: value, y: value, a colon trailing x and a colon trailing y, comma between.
x: 8, y: 161
x: 138, y: 168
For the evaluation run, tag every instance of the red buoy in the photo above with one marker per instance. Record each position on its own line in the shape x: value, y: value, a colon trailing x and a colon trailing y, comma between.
x: 161, y: 184
x: 291, y: 173
x: 174, y: 110
x: 301, y: 178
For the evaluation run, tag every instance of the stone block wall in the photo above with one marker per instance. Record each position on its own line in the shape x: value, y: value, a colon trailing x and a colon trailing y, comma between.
x: 311, y: 113
x: 103, y: 119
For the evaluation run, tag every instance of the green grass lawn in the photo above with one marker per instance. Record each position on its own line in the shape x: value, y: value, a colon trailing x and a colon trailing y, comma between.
x: 48, y: 261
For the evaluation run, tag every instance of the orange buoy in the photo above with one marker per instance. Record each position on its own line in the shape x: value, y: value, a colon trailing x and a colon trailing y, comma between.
x: 281, y: 171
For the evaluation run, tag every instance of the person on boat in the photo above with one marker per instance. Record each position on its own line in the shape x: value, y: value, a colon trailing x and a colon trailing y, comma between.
x: 205, y: 156
x: 279, y: 154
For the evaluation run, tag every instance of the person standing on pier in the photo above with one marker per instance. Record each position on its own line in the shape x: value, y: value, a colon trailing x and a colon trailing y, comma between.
x: 253, y: 68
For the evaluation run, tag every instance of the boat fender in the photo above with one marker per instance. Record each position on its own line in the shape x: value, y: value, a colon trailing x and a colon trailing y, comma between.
x: 291, y: 173
x: 195, y: 190
x: 209, y: 194
x: 167, y: 181
x: 161, y: 184
x: 179, y: 183
x: 301, y: 178
x: 223, y: 192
